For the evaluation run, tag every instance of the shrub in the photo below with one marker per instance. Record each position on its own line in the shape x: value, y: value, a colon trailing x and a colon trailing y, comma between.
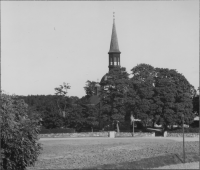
x: 186, y: 130
x: 48, y: 131
x: 19, y: 135
x: 194, y: 124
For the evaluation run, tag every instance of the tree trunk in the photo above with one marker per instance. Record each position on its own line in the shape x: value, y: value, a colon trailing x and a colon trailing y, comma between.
x: 118, y: 127
x: 133, y: 128
x: 153, y: 123
x: 60, y: 111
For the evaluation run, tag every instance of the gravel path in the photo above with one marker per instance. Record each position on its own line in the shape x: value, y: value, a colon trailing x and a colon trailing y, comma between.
x: 90, y: 152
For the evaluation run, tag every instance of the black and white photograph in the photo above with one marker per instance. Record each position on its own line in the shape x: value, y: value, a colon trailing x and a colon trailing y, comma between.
x: 100, y: 84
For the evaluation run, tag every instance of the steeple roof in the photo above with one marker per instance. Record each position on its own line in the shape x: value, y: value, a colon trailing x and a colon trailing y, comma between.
x: 114, y: 47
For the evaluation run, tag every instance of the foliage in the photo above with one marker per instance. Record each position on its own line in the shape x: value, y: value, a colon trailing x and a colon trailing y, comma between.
x: 90, y: 88
x: 74, y: 118
x: 91, y: 113
x: 65, y: 130
x: 62, y: 90
x: 196, y: 104
x: 61, y: 100
x: 186, y: 130
x: 51, y: 121
x: 19, y: 135
x: 160, y: 95
x: 84, y: 100
x: 76, y: 115
x: 153, y: 95
x: 113, y: 95
x: 173, y: 97
x: 81, y: 117
x: 141, y: 92
x: 46, y: 108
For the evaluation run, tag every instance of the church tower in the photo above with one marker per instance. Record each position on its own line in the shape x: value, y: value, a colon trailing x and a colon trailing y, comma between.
x: 114, y: 53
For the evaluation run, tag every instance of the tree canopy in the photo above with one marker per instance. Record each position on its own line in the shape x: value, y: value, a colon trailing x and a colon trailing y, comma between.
x: 161, y: 95
x: 154, y: 95
x: 90, y: 88
x: 141, y: 91
x: 113, y: 94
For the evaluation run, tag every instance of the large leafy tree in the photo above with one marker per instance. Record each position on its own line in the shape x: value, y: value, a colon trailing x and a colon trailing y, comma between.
x: 75, y: 118
x: 81, y: 117
x: 113, y: 92
x: 19, y: 134
x: 52, y: 120
x: 173, y: 97
x: 160, y: 95
x: 141, y: 92
x: 91, y: 114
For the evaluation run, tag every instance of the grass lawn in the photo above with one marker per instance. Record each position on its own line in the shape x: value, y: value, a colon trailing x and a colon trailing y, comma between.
x: 117, y: 153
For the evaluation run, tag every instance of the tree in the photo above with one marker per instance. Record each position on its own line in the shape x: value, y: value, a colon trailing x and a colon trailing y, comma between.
x: 84, y: 100
x: 172, y: 97
x: 90, y: 88
x: 160, y: 95
x: 141, y: 92
x: 19, y: 134
x: 91, y: 114
x: 73, y: 100
x: 46, y: 108
x: 75, y: 118
x: 113, y: 95
x: 61, y: 101
x: 52, y: 120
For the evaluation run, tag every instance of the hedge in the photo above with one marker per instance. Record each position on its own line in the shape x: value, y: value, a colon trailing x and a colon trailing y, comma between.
x: 49, y: 131
x: 186, y: 130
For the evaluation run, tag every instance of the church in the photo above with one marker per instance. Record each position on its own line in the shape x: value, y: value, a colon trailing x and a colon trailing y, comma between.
x: 113, y: 62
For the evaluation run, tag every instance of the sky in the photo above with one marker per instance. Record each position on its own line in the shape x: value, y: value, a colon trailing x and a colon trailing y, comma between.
x: 46, y: 43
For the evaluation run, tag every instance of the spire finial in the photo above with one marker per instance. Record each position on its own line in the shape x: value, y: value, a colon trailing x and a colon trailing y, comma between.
x: 113, y: 16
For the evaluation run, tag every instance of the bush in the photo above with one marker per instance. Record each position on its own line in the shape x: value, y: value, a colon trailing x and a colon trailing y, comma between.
x: 186, y: 130
x: 19, y: 135
x: 48, y: 131
x: 194, y: 124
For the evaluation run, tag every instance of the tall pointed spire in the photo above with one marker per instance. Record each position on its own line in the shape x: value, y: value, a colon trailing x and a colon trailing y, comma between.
x: 114, y: 53
x: 114, y: 47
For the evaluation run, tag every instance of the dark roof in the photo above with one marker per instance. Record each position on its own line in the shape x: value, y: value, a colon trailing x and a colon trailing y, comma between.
x: 114, y: 47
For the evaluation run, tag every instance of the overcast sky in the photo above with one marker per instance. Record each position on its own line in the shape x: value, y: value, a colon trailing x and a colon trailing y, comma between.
x: 44, y: 44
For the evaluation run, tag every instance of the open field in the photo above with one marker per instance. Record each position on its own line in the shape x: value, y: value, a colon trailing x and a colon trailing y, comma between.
x: 117, y: 153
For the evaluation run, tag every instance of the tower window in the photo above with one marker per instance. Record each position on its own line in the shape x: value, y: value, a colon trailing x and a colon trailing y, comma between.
x: 111, y: 60
x: 115, y: 61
